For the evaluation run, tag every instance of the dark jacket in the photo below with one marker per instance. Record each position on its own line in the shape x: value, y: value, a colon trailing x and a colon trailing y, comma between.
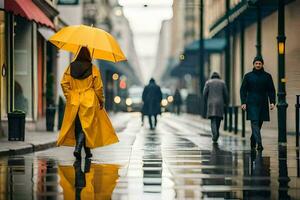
x: 152, y: 97
x: 256, y: 91
x: 177, y: 98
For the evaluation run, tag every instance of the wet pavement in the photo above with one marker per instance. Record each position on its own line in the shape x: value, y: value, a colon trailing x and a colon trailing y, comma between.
x: 175, y: 161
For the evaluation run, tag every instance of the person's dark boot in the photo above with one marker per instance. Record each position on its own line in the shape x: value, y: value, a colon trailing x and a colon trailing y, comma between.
x: 78, y: 147
x: 87, y: 165
x: 88, y: 153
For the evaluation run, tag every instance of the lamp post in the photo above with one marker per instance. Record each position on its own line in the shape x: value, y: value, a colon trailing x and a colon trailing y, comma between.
x: 282, y: 104
x: 201, y: 55
x: 258, y: 33
x: 201, y: 49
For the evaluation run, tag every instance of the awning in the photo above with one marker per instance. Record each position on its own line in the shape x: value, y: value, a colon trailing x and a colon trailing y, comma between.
x: 213, y: 45
x: 182, y: 69
x: 27, y: 9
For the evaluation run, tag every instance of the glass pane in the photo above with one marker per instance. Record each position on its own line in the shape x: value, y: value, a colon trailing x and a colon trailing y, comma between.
x: 2, y: 66
x: 23, y: 66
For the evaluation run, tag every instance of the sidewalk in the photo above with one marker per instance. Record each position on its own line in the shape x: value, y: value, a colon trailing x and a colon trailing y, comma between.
x: 37, y: 141
x: 268, y: 134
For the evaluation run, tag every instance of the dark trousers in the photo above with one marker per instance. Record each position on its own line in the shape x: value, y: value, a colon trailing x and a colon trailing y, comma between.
x: 256, y: 136
x: 177, y: 108
x: 151, y: 122
x: 215, y: 126
x: 79, y: 135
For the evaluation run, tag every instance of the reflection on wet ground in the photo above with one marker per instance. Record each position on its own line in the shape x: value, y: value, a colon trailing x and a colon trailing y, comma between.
x: 168, y: 163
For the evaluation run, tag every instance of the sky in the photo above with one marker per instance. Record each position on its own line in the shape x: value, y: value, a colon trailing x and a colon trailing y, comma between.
x: 145, y: 23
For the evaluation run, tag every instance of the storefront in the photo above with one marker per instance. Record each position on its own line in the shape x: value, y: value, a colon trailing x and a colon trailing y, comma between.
x: 22, y: 59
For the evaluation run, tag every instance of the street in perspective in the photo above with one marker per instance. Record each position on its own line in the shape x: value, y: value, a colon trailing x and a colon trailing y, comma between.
x: 149, y: 99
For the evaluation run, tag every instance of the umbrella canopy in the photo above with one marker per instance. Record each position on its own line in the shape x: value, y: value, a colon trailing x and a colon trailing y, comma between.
x: 101, y: 44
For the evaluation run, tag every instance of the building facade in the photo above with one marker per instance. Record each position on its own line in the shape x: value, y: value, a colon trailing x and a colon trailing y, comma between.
x: 253, y: 29
x: 24, y: 58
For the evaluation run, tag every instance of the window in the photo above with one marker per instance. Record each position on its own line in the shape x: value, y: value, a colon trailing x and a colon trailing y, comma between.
x: 23, y: 88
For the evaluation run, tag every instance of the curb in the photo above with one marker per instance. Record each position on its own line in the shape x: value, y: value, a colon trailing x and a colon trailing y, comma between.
x: 27, y: 148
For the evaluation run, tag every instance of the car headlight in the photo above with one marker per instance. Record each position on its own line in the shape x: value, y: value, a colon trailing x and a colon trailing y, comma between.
x: 164, y: 102
x: 128, y: 101
x: 117, y: 99
x: 170, y: 99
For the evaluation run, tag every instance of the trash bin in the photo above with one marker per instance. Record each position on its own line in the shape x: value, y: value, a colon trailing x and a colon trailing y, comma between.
x: 16, y: 125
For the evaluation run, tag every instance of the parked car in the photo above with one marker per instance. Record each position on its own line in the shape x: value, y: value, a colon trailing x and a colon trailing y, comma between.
x: 167, y: 99
x: 134, y: 101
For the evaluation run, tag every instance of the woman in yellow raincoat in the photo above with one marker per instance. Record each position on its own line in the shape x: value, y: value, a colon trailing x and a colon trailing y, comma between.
x: 85, y: 122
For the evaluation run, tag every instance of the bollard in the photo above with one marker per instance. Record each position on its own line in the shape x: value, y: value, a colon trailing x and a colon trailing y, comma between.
x: 298, y: 163
x: 243, y: 123
x: 236, y: 119
x: 225, y: 119
x: 230, y: 118
x: 297, y: 119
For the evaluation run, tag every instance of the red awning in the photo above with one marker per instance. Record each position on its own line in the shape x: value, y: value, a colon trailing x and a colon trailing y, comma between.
x: 27, y: 9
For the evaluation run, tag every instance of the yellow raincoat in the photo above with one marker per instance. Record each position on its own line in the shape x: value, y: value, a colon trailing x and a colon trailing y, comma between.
x: 83, y: 97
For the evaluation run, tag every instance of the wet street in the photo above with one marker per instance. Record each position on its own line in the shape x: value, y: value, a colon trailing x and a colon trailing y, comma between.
x: 175, y: 161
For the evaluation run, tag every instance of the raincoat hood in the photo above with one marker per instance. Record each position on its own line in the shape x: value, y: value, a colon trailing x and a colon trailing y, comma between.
x: 81, y: 67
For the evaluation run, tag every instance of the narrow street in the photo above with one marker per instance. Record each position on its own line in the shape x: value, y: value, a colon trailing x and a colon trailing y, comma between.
x: 175, y: 161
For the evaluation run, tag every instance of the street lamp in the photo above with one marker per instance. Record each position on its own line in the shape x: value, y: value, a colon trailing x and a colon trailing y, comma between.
x: 282, y: 104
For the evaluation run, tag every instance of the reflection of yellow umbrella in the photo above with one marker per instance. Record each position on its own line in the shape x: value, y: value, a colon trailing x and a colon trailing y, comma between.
x: 100, y: 181
x: 100, y: 43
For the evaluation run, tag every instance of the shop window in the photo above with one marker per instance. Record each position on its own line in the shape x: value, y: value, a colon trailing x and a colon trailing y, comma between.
x: 23, y: 88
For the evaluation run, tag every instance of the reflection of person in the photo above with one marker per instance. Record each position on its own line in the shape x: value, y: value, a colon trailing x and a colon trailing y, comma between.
x: 177, y: 101
x: 95, y: 180
x: 259, y: 176
x: 152, y: 97
x: 85, y: 120
x: 21, y: 103
x: 256, y: 91
x: 80, y: 180
x: 218, y: 162
x: 215, y: 97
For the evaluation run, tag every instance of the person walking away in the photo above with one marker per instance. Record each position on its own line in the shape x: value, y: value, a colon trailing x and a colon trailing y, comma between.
x: 177, y: 101
x: 215, y: 97
x: 86, y: 123
x: 257, y: 91
x: 152, y: 97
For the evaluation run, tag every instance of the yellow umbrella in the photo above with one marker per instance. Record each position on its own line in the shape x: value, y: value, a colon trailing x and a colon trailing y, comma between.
x: 101, y: 44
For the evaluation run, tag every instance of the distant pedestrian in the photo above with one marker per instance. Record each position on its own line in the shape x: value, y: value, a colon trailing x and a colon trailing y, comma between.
x: 177, y: 101
x: 152, y: 97
x: 257, y: 91
x: 85, y: 122
x: 215, y: 96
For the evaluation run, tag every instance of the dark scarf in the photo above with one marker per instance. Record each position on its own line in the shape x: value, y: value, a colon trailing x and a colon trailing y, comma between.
x: 260, y: 71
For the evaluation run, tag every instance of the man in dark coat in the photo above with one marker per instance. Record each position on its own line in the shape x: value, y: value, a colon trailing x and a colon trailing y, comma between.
x: 215, y: 97
x: 152, y: 97
x: 257, y: 92
x: 177, y: 101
